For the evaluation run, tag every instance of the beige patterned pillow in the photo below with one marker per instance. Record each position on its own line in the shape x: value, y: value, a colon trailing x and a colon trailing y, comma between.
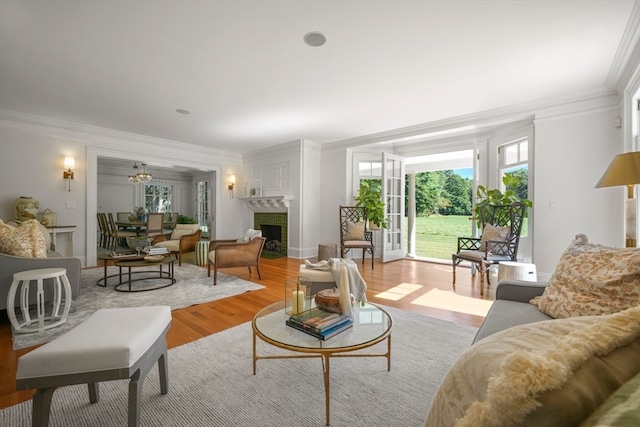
x: 592, y: 279
x: 355, y: 231
x: 490, y: 232
x: 25, y: 241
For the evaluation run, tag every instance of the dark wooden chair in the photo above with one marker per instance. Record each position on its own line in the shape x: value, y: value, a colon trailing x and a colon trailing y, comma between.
x: 501, y: 225
x: 118, y: 236
x: 354, y: 233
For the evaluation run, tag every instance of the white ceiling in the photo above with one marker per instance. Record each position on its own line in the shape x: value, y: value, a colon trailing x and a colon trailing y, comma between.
x: 248, y: 79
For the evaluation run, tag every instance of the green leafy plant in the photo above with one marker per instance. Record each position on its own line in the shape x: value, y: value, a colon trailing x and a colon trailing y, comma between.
x: 370, y: 197
x: 494, y: 196
x: 183, y: 219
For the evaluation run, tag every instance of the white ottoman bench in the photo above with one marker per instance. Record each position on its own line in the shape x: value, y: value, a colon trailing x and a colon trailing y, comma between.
x: 112, y: 344
x: 320, y: 279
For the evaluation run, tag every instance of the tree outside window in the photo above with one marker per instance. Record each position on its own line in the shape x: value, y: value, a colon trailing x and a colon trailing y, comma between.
x: 157, y: 198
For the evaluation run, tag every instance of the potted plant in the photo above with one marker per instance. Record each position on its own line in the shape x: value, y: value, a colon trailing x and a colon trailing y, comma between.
x: 370, y: 198
x: 141, y: 213
x: 494, y: 196
x: 183, y: 219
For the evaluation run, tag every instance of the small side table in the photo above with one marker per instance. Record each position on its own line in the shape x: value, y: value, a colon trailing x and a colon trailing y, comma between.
x: 517, y: 270
x: 61, y: 299
x: 202, y: 252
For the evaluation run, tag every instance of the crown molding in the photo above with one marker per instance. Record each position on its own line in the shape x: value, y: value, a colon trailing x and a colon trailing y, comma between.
x: 485, y: 120
x: 627, y: 58
x: 99, y: 137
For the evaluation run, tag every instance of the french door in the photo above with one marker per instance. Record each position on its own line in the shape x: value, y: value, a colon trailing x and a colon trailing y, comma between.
x: 393, y: 197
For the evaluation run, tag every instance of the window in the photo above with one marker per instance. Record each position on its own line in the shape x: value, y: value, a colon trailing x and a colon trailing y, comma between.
x: 369, y: 176
x: 202, y: 199
x: 370, y: 169
x: 514, y: 160
x: 157, y: 198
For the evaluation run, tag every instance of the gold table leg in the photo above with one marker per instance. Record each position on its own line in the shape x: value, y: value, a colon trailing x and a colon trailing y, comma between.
x: 327, y: 388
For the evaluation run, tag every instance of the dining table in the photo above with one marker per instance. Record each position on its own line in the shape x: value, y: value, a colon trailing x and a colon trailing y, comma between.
x: 138, y: 225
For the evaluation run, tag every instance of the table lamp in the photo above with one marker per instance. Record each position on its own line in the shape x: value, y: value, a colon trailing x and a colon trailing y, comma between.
x: 625, y: 170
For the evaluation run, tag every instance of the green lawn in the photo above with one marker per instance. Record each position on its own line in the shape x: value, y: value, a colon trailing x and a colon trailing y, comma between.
x: 437, y: 236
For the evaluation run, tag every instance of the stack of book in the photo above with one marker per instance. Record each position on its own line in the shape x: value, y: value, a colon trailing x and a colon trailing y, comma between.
x: 320, y: 323
x: 157, y: 250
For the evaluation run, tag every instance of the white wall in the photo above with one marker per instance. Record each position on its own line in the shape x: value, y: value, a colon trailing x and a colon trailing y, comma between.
x: 571, y: 151
x: 291, y: 169
x: 335, y: 190
x: 32, y: 162
x: 571, y: 154
x: 116, y: 194
x: 31, y: 165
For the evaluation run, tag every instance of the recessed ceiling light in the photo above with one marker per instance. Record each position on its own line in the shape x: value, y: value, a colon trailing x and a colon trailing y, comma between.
x: 314, y: 39
x: 182, y: 111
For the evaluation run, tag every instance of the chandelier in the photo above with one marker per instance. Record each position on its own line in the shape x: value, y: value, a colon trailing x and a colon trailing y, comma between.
x: 137, y: 176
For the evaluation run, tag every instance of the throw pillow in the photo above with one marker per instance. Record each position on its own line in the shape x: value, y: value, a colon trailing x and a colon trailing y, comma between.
x: 24, y: 241
x: 622, y: 408
x: 355, y: 231
x: 592, y: 279
x: 496, y: 234
x: 553, y: 373
x: 46, y: 235
x: 249, y: 235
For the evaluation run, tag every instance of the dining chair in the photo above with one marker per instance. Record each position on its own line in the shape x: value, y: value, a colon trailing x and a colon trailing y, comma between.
x: 117, y: 235
x: 105, y: 235
x: 155, y: 224
x: 123, y: 216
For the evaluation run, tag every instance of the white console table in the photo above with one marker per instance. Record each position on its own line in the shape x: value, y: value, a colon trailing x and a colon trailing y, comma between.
x: 54, y: 230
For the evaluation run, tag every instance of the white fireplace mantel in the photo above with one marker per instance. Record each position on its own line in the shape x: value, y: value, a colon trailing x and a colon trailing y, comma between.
x: 268, y: 203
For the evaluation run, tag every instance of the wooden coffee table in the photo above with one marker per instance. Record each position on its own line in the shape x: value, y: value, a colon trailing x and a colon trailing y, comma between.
x: 371, y: 325
x: 142, y: 263
x: 106, y: 257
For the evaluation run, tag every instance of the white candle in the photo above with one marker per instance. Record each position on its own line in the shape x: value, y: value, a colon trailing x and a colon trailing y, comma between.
x: 345, y: 291
x: 297, y: 302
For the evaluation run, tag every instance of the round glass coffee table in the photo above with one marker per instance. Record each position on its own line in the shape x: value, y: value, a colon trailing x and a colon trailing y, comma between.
x: 371, y: 325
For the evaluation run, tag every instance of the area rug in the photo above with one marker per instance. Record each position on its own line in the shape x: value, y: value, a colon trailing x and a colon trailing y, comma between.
x: 211, y: 383
x: 192, y: 287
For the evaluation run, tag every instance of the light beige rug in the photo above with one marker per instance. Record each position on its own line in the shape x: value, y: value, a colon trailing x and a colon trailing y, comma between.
x: 192, y: 287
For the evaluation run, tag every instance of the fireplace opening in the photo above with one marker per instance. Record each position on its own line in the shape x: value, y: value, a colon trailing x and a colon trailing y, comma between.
x: 275, y: 231
x: 273, y: 235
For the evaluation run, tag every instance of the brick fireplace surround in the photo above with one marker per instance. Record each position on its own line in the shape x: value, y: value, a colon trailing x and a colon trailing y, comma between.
x: 278, y: 219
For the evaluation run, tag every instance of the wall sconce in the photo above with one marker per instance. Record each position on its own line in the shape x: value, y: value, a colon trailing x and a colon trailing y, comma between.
x: 625, y: 170
x: 69, y: 164
x: 232, y: 183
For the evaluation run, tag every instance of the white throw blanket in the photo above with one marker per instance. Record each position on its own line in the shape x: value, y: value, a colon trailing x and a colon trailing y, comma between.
x: 357, y: 284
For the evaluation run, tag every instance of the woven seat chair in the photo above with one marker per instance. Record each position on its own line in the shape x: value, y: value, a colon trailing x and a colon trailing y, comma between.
x: 501, y: 225
x: 354, y: 233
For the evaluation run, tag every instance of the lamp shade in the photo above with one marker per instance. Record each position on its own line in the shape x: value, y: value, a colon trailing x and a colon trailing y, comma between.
x: 623, y: 170
x: 69, y: 162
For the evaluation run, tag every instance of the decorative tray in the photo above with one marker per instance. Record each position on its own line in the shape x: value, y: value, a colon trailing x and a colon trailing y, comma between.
x: 153, y: 257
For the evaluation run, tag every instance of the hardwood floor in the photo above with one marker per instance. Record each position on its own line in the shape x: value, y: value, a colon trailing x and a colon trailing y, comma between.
x: 410, y: 285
